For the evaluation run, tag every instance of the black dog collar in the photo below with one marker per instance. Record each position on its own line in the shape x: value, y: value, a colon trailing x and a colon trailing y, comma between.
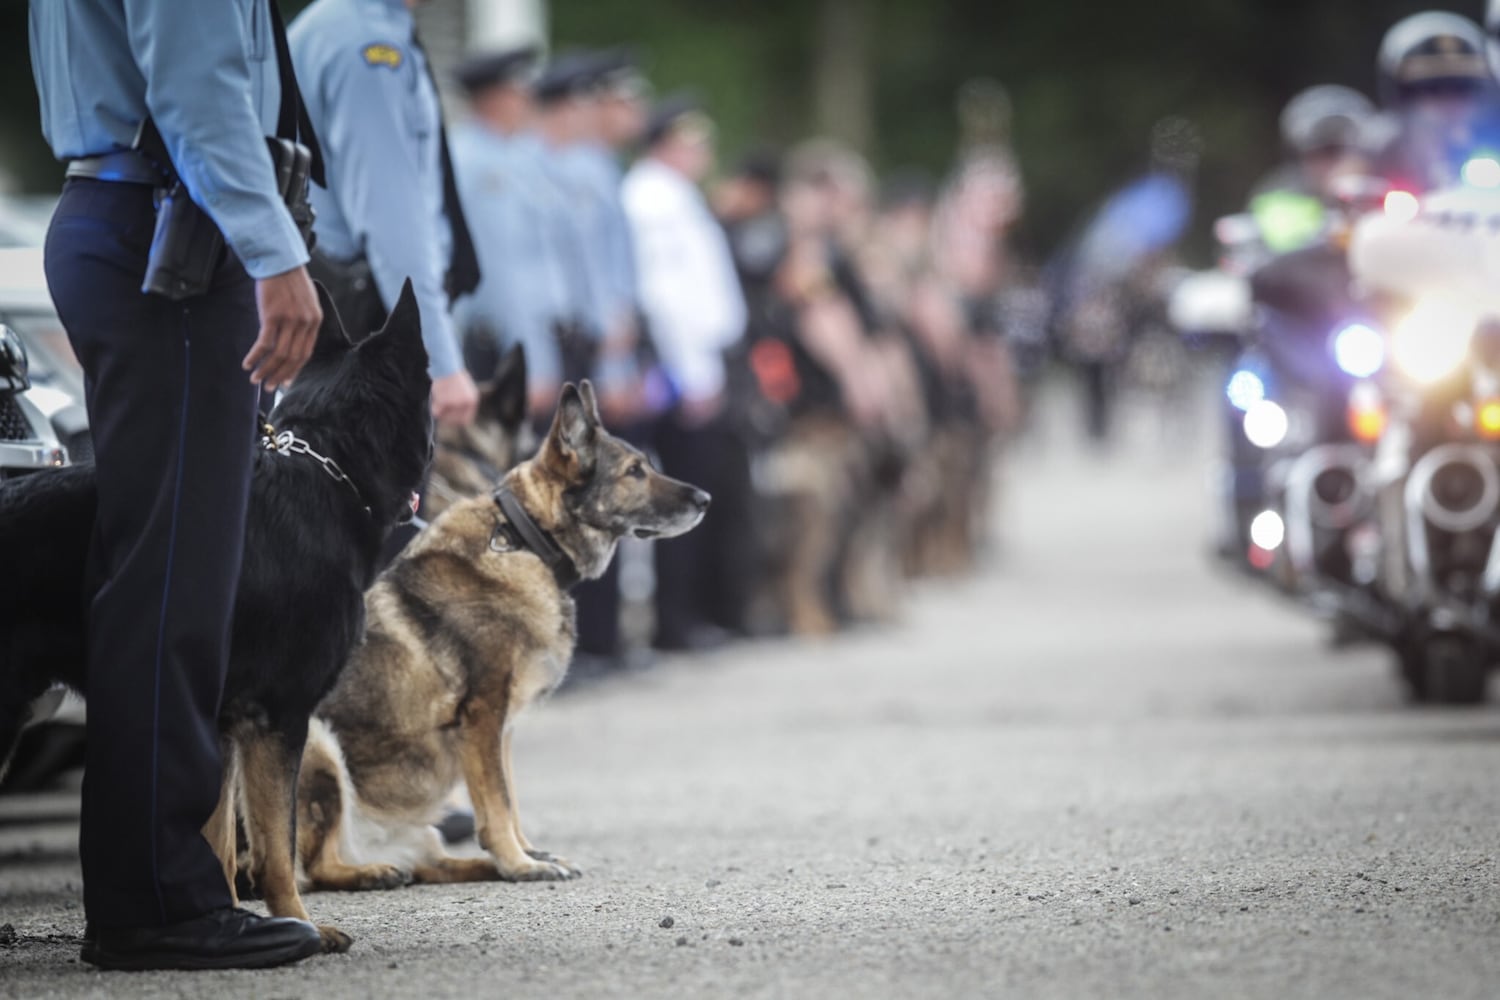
x: 524, y: 533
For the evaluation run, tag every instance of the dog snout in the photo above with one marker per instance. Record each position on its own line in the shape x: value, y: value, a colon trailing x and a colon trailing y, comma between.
x: 700, y: 500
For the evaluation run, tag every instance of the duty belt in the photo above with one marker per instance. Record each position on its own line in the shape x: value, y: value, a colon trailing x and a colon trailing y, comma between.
x: 126, y: 166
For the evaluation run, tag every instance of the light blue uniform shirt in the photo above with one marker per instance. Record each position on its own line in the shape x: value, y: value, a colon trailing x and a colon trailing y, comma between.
x: 377, y: 117
x: 510, y: 206
x: 567, y: 209
x: 205, y: 72
x: 593, y: 170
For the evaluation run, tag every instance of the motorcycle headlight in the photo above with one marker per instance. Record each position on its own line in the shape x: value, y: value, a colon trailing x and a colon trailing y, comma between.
x: 1359, y: 350
x: 1267, y: 531
x: 1266, y: 424
x: 1432, y: 340
x: 1244, y: 389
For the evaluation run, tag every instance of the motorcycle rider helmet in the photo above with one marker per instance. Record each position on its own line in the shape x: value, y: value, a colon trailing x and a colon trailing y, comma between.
x: 1433, y: 53
x: 13, y: 364
x: 1325, y: 117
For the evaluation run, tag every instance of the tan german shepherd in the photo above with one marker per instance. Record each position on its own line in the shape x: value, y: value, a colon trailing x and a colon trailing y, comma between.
x: 472, y: 623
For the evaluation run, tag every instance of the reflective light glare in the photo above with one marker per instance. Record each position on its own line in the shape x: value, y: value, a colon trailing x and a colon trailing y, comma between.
x: 1487, y: 420
x: 1245, y: 389
x: 1267, y: 530
x: 1266, y: 424
x: 1367, y: 423
x: 1432, y: 340
x: 1482, y: 171
x: 1359, y: 350
x: 1401, y: 206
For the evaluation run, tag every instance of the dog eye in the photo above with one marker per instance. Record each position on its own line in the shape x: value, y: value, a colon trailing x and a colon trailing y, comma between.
x: 636, y: 471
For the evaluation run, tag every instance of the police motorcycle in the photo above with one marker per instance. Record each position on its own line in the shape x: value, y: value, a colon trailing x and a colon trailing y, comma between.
x: 1304, y: 418
x: 1437, y: 470
x: 42, y: 418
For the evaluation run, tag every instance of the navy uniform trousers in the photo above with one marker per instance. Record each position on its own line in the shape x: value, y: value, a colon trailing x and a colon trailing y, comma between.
x: 173, y: 420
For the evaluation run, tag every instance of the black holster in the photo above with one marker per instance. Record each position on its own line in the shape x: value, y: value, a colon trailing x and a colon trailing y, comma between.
x: 187, y: 246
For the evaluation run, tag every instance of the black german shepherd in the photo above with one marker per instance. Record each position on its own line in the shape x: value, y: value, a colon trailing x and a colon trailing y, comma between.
x: 312, y: 548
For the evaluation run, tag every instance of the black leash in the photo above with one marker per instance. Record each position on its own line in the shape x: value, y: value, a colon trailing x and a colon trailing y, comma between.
x: 523, y: 533
x: 293, y: 121
x: 463, y: 261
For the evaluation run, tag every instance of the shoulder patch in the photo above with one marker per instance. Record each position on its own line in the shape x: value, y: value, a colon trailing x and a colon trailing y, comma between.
x: 382, y: 55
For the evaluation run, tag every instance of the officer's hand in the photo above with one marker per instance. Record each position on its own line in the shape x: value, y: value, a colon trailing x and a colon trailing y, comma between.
x: 455, y: 399
x: 289, y: 321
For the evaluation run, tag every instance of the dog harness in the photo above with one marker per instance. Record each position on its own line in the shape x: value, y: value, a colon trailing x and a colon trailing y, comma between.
x: 519, y: 531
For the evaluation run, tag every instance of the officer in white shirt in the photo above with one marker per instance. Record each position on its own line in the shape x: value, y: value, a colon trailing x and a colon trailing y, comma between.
x: 694, y: 308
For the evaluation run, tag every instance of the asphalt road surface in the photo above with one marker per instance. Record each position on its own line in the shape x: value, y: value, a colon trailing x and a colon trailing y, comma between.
x: 1100, y: 768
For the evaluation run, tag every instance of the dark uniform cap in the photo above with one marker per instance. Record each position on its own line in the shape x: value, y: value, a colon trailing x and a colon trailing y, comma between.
x: 672, y: 112
x: 618, y: 70
x: 570, y: 74
x: 495, y: 69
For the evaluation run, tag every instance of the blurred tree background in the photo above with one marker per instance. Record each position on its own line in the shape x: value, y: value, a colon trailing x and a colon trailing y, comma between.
x: 1086, y: 80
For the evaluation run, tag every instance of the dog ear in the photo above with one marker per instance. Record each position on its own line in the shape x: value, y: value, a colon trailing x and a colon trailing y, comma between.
x: 504, y: 401
x: 590, y: 402
x: 332, y: 339
x: 570, y: 442
x: 403, y: 327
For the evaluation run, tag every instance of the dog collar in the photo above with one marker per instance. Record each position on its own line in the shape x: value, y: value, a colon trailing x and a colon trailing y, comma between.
x: 524, y: 533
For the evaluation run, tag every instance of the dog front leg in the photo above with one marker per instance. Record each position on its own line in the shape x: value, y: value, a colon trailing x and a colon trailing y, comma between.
x: 515, y: 811
x: 269, y: 767
x: 480, y: 750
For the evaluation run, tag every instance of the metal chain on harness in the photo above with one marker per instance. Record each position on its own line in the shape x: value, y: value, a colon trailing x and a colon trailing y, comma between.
x: 286, y: 443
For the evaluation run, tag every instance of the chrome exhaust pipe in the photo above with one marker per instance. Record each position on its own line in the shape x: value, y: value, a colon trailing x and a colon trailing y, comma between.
x: 1326, y: 487
x: 1455, y: 487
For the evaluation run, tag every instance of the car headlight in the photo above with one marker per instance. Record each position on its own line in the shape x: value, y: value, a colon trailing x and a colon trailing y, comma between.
x: 1432, y: 340
x: 1359, y: 350
x: 1266, y: 424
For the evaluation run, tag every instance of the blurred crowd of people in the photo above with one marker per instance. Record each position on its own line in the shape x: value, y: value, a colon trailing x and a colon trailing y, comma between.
x: 820, y: 349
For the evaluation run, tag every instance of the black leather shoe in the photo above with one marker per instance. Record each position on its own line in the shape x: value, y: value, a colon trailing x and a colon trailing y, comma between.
x: 221, y: 939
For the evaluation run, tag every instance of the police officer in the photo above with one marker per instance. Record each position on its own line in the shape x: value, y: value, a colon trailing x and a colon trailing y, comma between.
x: 1324, y: 129
x: 391, y: 209
x: 1433, y: 75
x: 516, y: 212
x: 693, y: 302
x: 171, y: 391
x: 565, y: 108
x: 612, y: 121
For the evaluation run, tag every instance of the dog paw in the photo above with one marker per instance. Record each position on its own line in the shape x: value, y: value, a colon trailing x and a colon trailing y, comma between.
x: 573, y: 870
x: 535, y: 870
x: 385, y: 877
x: 335, y: 941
